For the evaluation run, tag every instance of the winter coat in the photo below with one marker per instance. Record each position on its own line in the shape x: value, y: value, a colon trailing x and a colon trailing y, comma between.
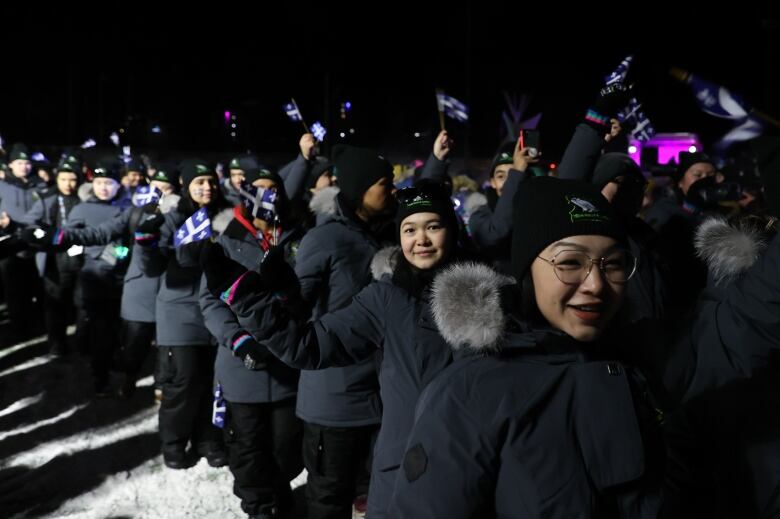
x: 177, y: 313
x: 104, y: 267
x: 139, y: 291
x: 332, y: 265
x: 531, y: 423
x: 275, y: 383
x: 385, y: 315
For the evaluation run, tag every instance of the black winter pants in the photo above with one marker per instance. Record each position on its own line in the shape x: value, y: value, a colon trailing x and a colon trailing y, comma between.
x: 264, y: 451
x: 136, y: 343
x: 186, y: 377
x: 21, y: 284
x: 335, y: 457
x: 102, y: 322
x: 59, y: 309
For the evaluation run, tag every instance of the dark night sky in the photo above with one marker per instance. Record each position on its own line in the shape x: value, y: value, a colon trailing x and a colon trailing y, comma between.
x: 76, y: 76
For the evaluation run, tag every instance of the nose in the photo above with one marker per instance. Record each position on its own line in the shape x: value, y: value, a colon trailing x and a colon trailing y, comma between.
x: 595, y: 280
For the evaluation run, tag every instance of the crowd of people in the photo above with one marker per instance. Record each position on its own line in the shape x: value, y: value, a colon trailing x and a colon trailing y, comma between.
x: 549, y: 346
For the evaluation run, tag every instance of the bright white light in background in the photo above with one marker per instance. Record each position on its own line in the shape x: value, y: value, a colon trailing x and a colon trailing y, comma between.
x: 632, y: 149
x: 342, y: 135
x: 156, y: 129
x: 233, y: 125
x: 232, y: 134
x: 692, y: 149
x: 416, y: 134
x: 351, y: 130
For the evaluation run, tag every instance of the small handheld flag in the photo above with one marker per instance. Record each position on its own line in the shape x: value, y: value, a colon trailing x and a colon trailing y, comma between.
x: 261, y: 203
x: 197, y: 227
x: 318, y: 130
x: 451, y: 107
x: 146, y: 195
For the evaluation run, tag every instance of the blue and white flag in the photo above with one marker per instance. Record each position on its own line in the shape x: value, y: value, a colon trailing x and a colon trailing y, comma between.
x: 745, y: 130
x: 452, y: 107
x: 114, y: 138
x: 318, y: 130
x: 291, y: 109
x: 642, y: 131
x: 620, y: 73
x: 146, y: 195
x: 197, y: 227
x: 717, y: 100
x: 39, y: 157
x: 261, y: 203
x: 219, y: 408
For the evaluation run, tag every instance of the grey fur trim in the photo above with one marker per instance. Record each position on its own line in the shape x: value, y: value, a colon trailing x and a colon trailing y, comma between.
x: 220, y: 222
x: 85, y: 191
x: 466, y: 306
x: 474, y: 201
x: 384, y: 261
x: 727, y: 250
x: 324, y: 201
x: 168, y: 203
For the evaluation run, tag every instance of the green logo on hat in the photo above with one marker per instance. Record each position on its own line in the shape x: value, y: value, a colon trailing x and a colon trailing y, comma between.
x: 234, y: 164
x: 23, y: 156
x: 200, y: 169
x: 582, y: 210
x: 161, y: 175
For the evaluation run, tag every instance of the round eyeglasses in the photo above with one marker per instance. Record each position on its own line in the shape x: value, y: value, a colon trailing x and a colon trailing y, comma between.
x: 573, y: 267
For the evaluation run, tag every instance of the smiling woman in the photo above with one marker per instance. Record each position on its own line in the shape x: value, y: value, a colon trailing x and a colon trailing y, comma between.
x: 558, y: 403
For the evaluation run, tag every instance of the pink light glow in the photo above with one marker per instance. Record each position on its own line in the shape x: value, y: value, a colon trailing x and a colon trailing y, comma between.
x: 669, y: 146
x: 227, y: 116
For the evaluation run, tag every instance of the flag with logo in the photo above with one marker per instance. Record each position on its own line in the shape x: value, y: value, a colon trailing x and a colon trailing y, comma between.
x: 261, y: 203
x: 197, y: 227
x: 146, y: 195
x: 291, y: 109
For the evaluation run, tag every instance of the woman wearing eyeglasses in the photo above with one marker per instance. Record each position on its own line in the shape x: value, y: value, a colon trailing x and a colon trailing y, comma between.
x: 553, y: 406
x: 392, y: 315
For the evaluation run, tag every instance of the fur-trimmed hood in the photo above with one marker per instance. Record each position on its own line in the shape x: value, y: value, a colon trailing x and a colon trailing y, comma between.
x: 728, y: 250
x: 466, y: 306
x: 169, y: 203
x: 474, y: 201
x: 220, y: 222
x: 323, y: 202
x: 384, y: 262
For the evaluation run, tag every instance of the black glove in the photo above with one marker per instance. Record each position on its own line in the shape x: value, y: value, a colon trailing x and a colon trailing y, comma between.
x: 151, y: 223
x: 254, y: 355
x: 277, y: 274
x: 147, y: 234
x: 225, y: 277
x: 612, y: 98
x: 44, y: 236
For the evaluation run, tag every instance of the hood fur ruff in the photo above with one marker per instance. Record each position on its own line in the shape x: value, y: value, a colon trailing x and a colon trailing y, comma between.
x: 324, y: 201
x: 466, y: 306
x: 727, y: 250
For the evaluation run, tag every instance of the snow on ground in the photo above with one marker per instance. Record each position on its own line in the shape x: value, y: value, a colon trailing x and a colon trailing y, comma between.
x: 66, y: 453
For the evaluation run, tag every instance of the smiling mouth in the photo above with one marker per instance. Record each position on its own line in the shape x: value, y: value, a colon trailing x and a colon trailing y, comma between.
x: 589, y: 312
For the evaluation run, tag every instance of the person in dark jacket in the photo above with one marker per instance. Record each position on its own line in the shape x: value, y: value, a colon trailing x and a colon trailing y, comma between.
x: 58, y: 268
x: 139, y: 291
x: 19, y: 191
x: 186, y: 352
x: 262, y: 435
x: 340, y: 407
x: 100, y: 278
x: 675, y: 218
x: 553, y: 408
x: 392, y: 315
x: 490, y: 215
